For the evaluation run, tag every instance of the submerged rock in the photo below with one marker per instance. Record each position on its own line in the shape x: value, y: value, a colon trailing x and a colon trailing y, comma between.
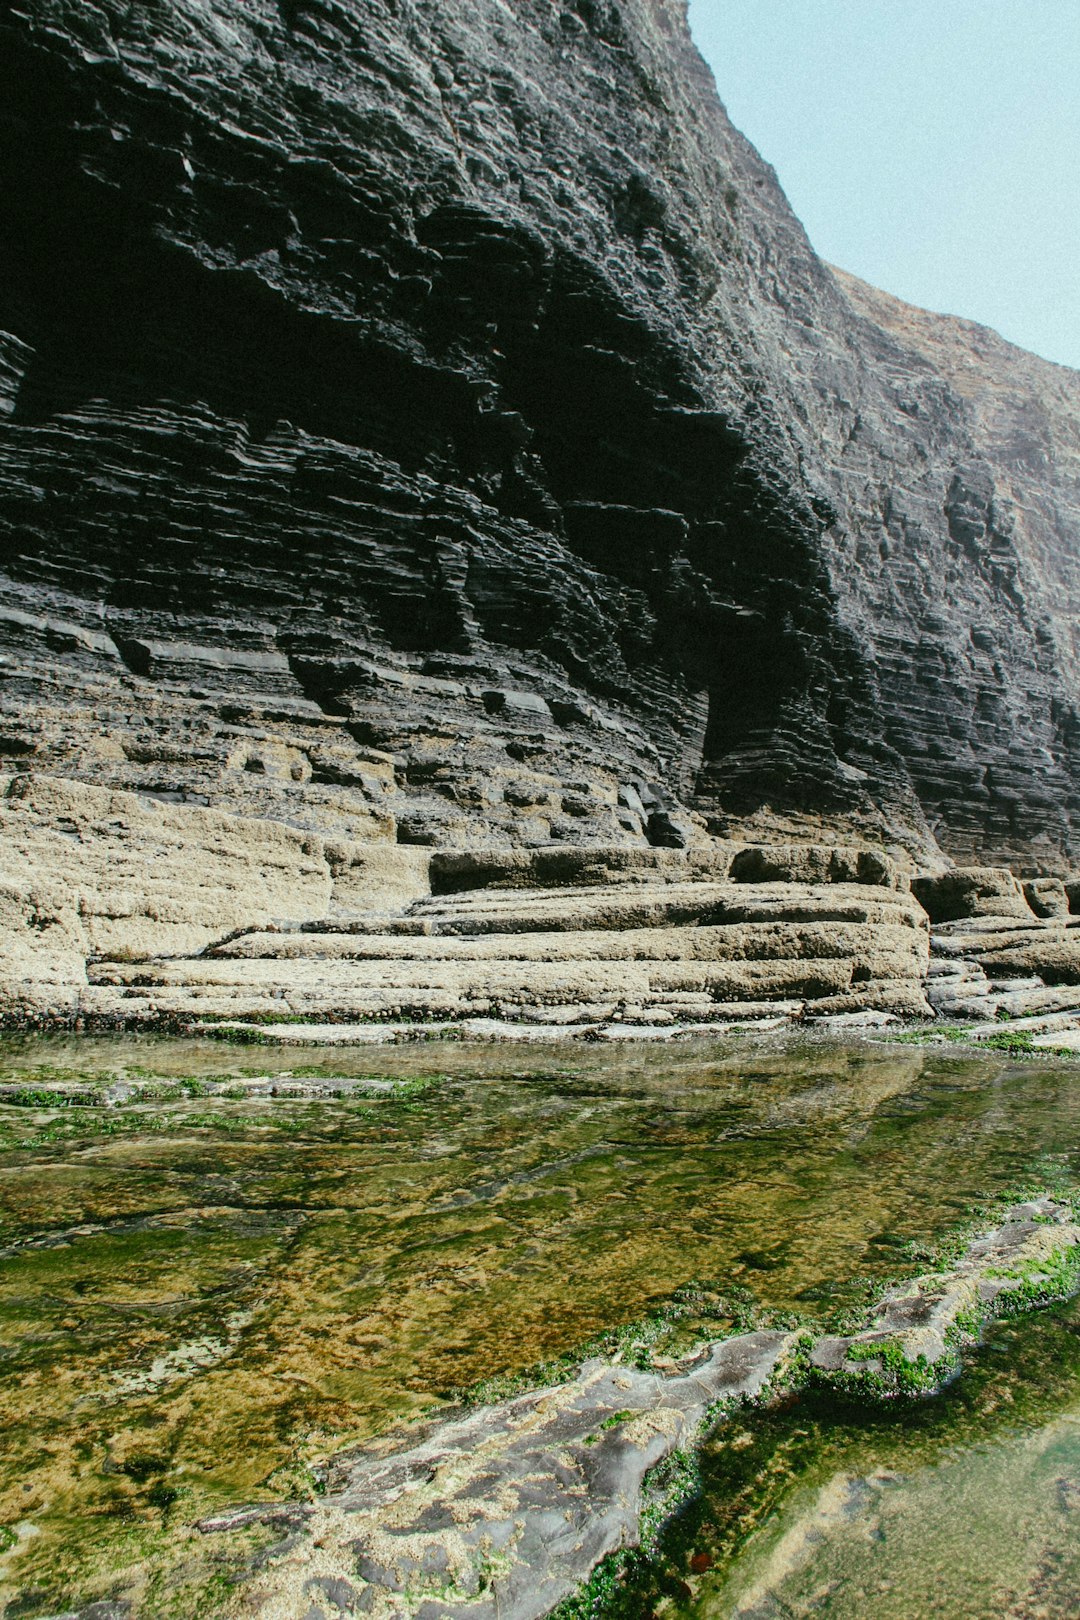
x: 504, y: 1510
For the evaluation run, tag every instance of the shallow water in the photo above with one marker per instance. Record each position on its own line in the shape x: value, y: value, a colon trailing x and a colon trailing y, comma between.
x: 964, y: 1506
x: 203, y: 1296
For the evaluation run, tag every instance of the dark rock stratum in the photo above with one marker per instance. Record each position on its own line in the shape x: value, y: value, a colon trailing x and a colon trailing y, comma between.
x: 429, y: 420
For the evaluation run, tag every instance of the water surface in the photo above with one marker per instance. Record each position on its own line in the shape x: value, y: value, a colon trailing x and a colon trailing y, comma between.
x: 202, y: 1296
x: 965, y: 1506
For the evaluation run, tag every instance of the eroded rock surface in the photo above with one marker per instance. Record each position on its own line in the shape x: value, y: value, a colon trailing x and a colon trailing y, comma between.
x: 693, y: 953
x: 127, y: 911
x: 430, y: 422
x: 85, y: 871
x: 504, y: 1510
x: 122, y: 910
x: 917, y: 1328
x: 1001, y: 949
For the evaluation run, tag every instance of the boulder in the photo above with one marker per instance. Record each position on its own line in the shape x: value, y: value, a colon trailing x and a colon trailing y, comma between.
x: 974, y: 891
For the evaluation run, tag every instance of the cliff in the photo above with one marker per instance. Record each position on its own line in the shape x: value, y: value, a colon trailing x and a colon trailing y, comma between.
x: 430, y: 422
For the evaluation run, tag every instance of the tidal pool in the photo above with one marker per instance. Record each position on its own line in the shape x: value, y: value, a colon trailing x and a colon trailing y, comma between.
x: 205, y: 1292
x: 965, y: 1506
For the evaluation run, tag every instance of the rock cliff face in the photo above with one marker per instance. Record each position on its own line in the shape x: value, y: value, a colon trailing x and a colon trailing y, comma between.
x: 427, y: 421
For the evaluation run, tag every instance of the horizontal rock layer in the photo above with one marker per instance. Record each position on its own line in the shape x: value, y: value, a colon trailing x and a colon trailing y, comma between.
x: 124, y: 910
x: 428, y: 422
x: 127, y: 911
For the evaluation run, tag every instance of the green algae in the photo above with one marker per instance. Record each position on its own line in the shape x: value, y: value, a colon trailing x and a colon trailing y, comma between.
x: 200, y: 1304
x: 1017, y: 1043
x: 962, y: 1506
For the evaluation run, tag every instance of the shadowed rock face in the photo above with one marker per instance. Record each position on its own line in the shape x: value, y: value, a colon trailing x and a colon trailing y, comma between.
x: 429, y: 421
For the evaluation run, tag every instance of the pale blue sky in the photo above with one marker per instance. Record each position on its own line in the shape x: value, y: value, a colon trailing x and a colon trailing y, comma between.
x: 930, y: 146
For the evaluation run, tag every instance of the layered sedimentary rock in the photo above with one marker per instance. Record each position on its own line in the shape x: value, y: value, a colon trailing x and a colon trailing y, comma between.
x: 425, y: 428
x: 428, y: 422
x: 1003, y: 949
x: 967, y: 580
x: 120, y: 910
x: 668, y: 954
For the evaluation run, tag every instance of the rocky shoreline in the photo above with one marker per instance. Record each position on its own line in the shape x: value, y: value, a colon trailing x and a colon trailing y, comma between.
x: 471, y: 571
x: 506, y: 1509
x: 120, y: 912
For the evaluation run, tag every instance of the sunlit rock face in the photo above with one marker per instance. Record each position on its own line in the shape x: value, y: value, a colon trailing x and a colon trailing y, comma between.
x: 427, y: 421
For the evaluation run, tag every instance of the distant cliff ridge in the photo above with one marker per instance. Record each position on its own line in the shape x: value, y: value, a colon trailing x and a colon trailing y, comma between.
x: 425, y: 421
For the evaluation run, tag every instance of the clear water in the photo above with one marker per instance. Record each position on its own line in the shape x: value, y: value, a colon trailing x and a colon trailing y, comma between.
x: 964, y: 1507
x: 202, y: 1296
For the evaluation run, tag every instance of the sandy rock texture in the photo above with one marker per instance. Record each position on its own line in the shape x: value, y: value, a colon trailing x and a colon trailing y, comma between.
x: 125, y: 910
x: 86, y: 872
x: 1003, y: 950
x: 429, y: 423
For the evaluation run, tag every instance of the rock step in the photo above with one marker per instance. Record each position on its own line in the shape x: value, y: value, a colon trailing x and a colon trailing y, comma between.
x: 982, y: 937
x: 540, y: 981
x: 958, y: 989
x: 670, y: 905
x: 434, y: 1008
x: 939, y: 995
x: 1063, y: 1039
x: 1049, y: 949
x: 949, y: 938
x: 481, y: 1029
x: 972, y: 1000
x: 768, y: 941
x: 248, y: 1003
x: 1034, y: 1024
x: 1045, y: 999
x: 969, y: 1010
x: 960, y: 967
x: 637, y: 953
x: 962, y: 984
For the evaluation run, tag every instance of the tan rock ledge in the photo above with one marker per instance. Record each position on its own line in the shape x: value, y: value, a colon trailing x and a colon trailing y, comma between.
x: 123, y: 912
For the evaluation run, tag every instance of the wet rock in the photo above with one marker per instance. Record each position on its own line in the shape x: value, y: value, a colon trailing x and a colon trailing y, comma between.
x: 105, y: 1609
x: 539, y: 1488
x: 531, y: 1493
x: 916, y: 1328
x: 338, y: 1593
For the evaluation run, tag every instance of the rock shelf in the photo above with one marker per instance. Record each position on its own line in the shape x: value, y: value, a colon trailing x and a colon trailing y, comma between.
x: 502, y: 1511
x: 125, y: 912
x: 130, y: 913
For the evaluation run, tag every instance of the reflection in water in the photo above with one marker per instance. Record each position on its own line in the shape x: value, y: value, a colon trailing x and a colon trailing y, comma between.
x: 200, y: 1296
